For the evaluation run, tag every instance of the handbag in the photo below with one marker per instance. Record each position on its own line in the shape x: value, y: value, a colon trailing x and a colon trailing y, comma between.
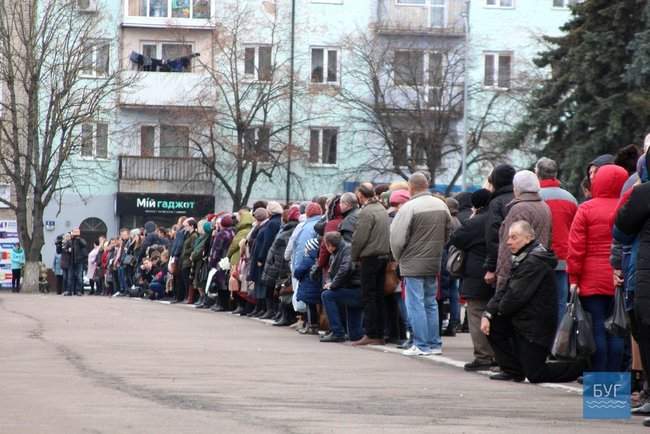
x: 617, y: 324
x: 586, y: 345
x: 565, y: 343
x: 129, y: 260
x: 392, y: 279
x: 455, y: 261
x: 574, y: 336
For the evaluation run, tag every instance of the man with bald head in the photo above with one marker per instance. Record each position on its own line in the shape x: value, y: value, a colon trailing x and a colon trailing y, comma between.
x: 371, y: 247
x: 418, y: 235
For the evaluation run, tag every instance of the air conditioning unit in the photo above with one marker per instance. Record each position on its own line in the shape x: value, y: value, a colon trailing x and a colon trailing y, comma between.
x: 87, y: 5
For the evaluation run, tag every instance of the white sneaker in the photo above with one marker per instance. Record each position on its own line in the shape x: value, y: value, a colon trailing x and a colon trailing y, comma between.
x: 415, y: 351
x: 436, y: 352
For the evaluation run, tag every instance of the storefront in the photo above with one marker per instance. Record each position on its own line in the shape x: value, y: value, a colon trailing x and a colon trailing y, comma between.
x: 134, y: 209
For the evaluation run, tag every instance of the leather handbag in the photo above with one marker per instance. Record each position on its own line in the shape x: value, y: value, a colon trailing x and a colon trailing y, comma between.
x: 392, y: 279
x: 455, y: 261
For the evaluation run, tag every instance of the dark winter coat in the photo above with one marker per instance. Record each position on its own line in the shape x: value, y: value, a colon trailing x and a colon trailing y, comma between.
x: 342, y: 271
x: 470, y: 238
x: 151, y: 239
x: 177, y: 245
x: 633, y: 220
x: 276, y: 267
x: 188, y: 246
x: 78, y: 251
x: 309, y: 290
x: 263, y: 242
x: 529, y: 297
x: 349, y: 224
x: 372, y: 234
x: 497, y: 211
x: 219, y: 250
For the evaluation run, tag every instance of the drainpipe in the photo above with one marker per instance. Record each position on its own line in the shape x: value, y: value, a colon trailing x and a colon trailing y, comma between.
x: 291, y: 91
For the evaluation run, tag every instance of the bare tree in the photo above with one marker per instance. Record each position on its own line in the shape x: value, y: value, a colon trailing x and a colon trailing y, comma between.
x: 47, y: 51
x: 243, y: 138
x: 408, y: 101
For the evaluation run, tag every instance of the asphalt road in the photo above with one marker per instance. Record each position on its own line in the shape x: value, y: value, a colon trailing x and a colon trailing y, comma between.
x: 107, y: 365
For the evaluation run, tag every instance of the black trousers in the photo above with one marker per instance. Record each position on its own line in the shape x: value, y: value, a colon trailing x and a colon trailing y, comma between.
x: 373, y: 275
x: 15, y: 280
x: 518, y: 356
x: 641, y: 331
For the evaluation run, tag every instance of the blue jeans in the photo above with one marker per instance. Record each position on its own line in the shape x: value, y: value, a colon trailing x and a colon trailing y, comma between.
x: 351, y: 299
x: 454, y: 303
x: 562, y: 285
x: 422, y: 310
x: 609, y: 349
x: 121, y: 276
x: 76, y: 279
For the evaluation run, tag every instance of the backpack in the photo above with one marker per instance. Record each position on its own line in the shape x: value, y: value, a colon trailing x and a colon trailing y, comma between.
x: 455, y: 261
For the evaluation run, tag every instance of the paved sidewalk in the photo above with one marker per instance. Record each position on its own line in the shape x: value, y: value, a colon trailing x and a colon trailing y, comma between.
x: 108, y: 365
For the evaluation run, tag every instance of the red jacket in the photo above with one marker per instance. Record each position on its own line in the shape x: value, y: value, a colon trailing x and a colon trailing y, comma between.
x: 563, y: 209
x: 590, y: 238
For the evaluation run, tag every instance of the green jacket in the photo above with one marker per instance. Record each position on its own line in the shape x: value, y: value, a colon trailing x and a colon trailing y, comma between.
x: 188, y: 246
x: 372, y: 234
x: 242, y: 228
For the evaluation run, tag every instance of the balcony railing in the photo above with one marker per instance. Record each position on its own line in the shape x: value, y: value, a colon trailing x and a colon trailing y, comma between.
x: 132, y: 168
x: 428, y: 19
x: 167, y: 89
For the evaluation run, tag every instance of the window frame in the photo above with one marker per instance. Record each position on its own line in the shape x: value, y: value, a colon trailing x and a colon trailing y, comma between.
x: 496, y: 69
x: 321, y: 130
x: 427, y: 85
x: 255, y: 150
x: 158, y: 135
x: 93, y: 154
x: 409, y: 151
x: 326, y: 51
x: 255, y: 77
x: 498, y: 5
x: 93, y: 45
x: 566, y: 4
x: 159, y: 51
x: 169, y: 15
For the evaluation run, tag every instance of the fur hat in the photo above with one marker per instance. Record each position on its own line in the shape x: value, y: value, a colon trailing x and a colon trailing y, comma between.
x: 274, y: 208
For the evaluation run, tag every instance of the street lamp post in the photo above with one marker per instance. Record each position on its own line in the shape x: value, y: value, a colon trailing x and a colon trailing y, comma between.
x: 291, y: 90
x: 465, y: 98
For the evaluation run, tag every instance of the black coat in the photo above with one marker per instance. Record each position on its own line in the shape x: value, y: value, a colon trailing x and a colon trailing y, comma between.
x: 276, y: 267
x: 343, y: 272
x: 263, y: 242
x: 470, y: 238
x: 633, y: 220
x: 497, y: 211
x: 529, y: 297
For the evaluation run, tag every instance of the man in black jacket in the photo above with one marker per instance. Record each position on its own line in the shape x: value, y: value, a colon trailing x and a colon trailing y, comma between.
x: 78, y: 252
x: 470, y: 238
x: 343, y: 288
x: 502, y: 194
x: 520, y: 321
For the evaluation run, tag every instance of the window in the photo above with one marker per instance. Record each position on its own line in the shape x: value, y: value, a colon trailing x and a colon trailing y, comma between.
x: 411, y: 2
x: 174, y: 141
x: 153, y: 52
x: 409, y: 148
x: 324, y: 66
x: 564, y: 4
x: 500, y: 3
x: 408, y: 67
x: 147, y: 140
x: 257, y: 143
x: 95, y: 62
x: 323, y: 145
x: 498, y: 70
x: 197, y: 9
x: 257, y: 63
x: 94, y: 140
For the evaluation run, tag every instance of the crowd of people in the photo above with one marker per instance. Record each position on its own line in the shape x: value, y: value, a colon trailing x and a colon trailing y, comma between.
x: 395, y: 263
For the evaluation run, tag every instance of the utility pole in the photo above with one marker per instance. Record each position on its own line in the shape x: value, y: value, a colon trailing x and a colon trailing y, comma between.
x: 465, y: 98
x: 291, y: 86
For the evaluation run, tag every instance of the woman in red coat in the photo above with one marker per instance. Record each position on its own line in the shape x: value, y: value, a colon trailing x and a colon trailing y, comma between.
x: 588, y: 265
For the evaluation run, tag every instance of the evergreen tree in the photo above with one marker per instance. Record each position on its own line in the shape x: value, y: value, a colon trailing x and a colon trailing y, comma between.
x: 593, y: 102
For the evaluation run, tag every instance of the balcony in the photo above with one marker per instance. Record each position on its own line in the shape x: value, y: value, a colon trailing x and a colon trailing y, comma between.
x: 186, y: 14
x: 430, y: 18
x: 167, y: 90
x: 163, y: 175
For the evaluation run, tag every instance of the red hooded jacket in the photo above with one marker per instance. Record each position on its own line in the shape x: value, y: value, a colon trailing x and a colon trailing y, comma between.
x: 590, y: 238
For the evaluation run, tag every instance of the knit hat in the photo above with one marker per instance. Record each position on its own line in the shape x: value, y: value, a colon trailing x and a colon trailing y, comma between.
x: 481, y: 198
x: 150, y: 227
x: 525, y: 181
x: 399, y: 197
x: 313, y: 209
x: 274, y: 208
x: 501, y: 176
x: 294, y: 214
x: 261, y: 214
x: 226, y: 221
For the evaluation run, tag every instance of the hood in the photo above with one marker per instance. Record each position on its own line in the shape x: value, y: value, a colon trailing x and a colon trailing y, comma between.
x: 207, y: 227
x: 642, y: 168
x: 150, y: 227
x: 246, y: 222
x: 609, y: 181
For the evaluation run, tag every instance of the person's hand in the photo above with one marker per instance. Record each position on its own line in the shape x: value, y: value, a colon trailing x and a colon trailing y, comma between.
x: 574, y: 288
x: 490, y: 278
x: 328, y: 285
x: 259, y: 264
x: 618, y: 278
x: 485, y: 326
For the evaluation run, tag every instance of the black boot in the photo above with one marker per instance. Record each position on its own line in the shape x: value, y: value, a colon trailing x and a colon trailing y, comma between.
x: 223, y: 298
x: 217, y: 305
x: 207, y: 303
x: 257, y: 306
x: 288, y: 315
x: 240, y: 306
x: 270, y: 309
x: 262, y: 308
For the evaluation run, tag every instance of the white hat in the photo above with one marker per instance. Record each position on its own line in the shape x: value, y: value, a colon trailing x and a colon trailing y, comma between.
x: 525, y: 181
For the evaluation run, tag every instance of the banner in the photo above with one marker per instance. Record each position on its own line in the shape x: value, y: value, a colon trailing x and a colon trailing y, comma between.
x: 151, y: 204
x: 8, y: 239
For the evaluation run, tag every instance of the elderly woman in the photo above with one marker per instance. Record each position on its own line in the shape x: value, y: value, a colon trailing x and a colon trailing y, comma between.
x: 516, y: 319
